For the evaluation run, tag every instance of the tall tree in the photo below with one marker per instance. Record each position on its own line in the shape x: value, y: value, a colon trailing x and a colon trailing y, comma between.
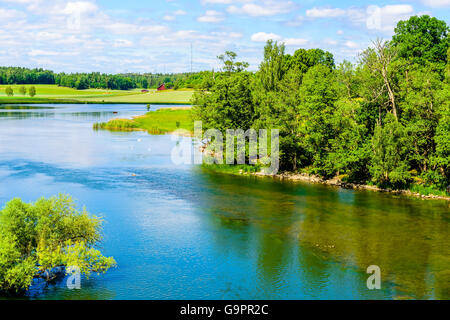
x: 423, y: 40
x: 273, y: 66
x: 379, y: 60
x: 319, y: 93
x: 229, y: 63
x: 390, y: 147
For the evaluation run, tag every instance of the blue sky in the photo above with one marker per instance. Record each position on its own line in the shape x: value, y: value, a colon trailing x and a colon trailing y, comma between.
x: 156, y: 36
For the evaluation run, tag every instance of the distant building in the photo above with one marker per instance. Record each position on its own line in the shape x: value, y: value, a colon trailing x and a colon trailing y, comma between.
x: 162, y: 87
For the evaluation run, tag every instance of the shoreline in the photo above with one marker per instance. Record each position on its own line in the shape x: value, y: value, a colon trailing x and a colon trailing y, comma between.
x: 346, y: 185
x: 303, y: 177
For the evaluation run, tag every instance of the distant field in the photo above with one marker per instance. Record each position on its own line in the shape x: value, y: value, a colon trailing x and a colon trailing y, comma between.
x: 169, y: 96
x: 55, y: 94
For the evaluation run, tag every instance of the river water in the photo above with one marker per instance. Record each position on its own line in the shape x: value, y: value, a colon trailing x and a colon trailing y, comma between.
x: 180, y: 232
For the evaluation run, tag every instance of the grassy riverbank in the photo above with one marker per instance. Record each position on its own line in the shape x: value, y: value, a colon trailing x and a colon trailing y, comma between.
x: 58, y: 95
x: 161, y: 121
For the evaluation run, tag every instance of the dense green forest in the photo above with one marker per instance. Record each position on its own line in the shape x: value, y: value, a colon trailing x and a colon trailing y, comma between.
x: 384, y: 120
x: 96, y: 80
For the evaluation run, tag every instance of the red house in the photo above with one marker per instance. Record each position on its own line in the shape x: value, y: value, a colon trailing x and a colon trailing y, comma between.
x: 162, y: 87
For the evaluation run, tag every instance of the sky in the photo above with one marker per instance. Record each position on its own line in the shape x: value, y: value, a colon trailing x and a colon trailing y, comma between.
x: 116, y: 36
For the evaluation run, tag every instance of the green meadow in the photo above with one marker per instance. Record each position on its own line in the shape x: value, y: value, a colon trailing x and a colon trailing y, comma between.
x: 161, y: 121
x: 55, y: 94
x: 154, y: 97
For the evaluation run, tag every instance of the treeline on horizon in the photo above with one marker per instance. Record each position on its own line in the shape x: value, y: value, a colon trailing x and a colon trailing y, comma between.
x: 382, y: 121
x: 97, y: 80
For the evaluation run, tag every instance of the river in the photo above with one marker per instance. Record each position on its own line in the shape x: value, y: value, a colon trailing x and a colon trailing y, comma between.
x: 180, y: 232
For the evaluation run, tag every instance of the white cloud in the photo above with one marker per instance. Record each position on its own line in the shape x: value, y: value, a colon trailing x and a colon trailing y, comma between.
x: 264, y: 8
x: 331, y: 42
x: 325, y: 12
x: 123, y: 43
x: 397, y: 9
x: 45, y: 35
x: 173, y: 16
x: 6, y: 14
x: 217, y: 1
x: 351, y: 44
x: 233, y: 35
x: 36, y: 52
x: 169, y: 18
x: 377, y: 18
x: 132, y: 29
x: 263, y: 37
x: 295, y: 42
x: 386, y: 18
x: 139, y: 39
x: 79, y: 7
x: 109, y: 41
x: 211, y: 16
x: 437, y: 3
x: 297, y: 21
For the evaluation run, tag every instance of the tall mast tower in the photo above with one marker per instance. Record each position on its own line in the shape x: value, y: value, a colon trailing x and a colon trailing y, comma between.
x: 191, y: 56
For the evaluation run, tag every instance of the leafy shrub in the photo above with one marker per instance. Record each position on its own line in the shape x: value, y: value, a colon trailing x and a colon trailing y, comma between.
x: 36, y: 238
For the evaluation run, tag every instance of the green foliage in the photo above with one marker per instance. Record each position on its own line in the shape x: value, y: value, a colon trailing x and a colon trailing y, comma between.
x: 232, y: 169
x: 427, y: 190
x: 347, y: 76
x: 419, y: 102
x: 117, y: 124
x: 36, y: 238
x: 384, y: 121
x: 9, y: 91
x: 441, y: 159
x: 156, y: 122
x: 303, y: 59
x: 229, y: 63
x: 14, y: 75
x: 390, y: 146
x: 96, y: 80
x: 272, y: 69
x: 32, y: 91
x: 228, y: 104
x: 349, y: 149
x: 23, y: 90
x: 423, y: 40
x: 319, y: 93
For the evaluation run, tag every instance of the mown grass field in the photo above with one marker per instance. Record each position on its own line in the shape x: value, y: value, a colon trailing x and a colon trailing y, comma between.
x: 155, y: 97
x: 55, y: 94
x: 161, y: 121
